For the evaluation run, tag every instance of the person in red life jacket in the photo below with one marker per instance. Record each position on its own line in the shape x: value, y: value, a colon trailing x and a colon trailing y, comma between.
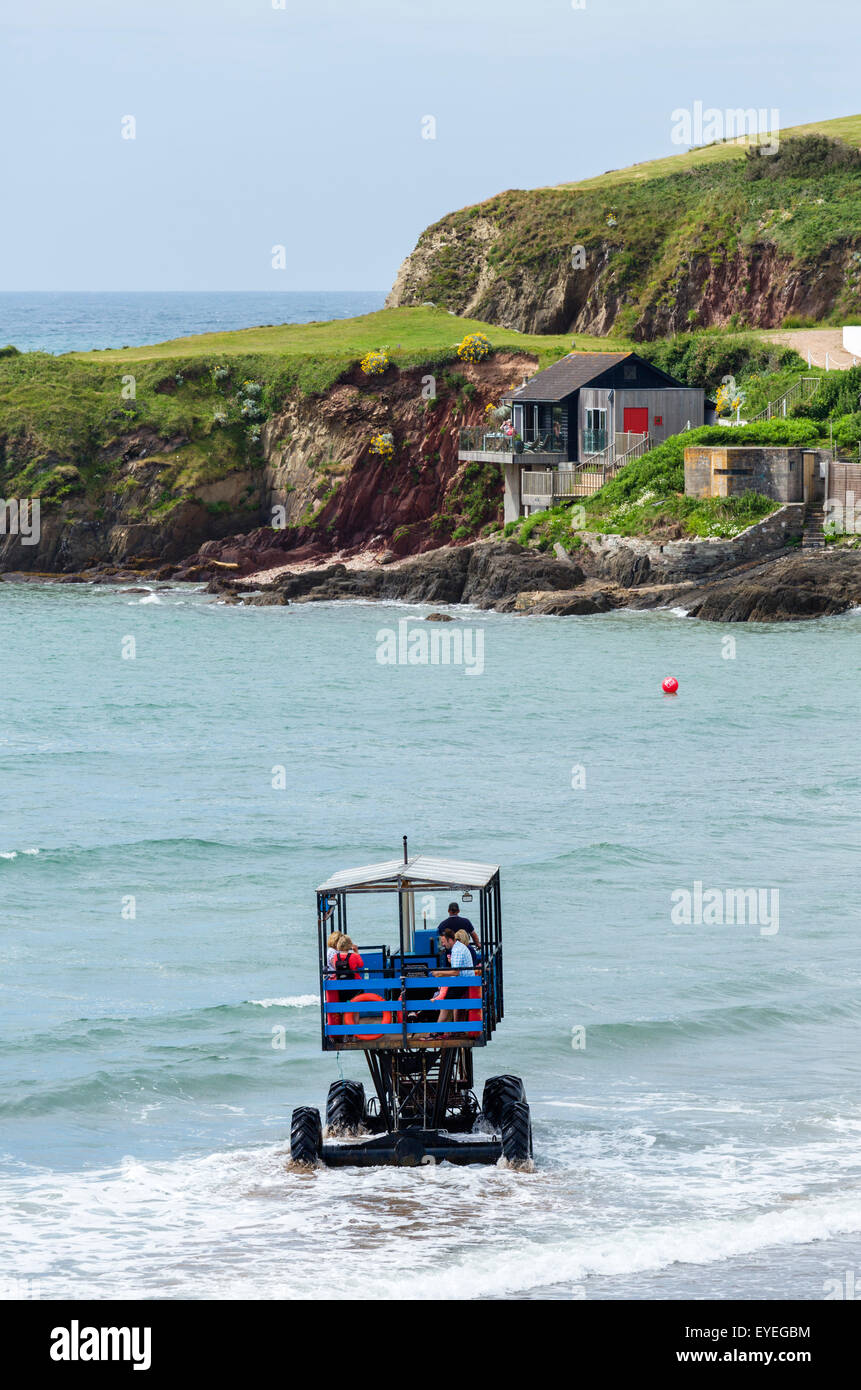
x: 345, y: 963
x: 348, y: 963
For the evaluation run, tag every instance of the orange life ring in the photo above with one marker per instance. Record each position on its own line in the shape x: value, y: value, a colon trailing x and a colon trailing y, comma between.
x: 354, y: 1018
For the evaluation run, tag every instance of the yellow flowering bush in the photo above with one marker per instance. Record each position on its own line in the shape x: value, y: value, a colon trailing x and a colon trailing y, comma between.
x: 728, y: 399
x: 384, y: 446
x: 474, y: 348
x: 375, y: 362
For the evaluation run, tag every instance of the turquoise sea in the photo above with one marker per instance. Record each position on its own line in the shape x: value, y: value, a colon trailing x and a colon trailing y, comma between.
x: 706, y: 1140
x: 67, y: 321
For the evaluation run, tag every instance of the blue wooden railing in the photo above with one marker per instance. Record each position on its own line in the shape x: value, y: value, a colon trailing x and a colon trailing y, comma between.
x: 397, y: 998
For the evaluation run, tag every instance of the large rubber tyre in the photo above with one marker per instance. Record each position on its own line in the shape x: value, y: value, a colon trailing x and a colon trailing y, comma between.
x: 499, y: 1092
x: 345, y: 1107
x: 306, y: 1135
x: 516, y: 1133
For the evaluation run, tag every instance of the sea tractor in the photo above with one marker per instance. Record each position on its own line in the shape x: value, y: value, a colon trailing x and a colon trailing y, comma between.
x: 423, y: 1106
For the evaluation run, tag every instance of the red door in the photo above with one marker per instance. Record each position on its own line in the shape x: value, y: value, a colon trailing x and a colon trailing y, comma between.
x: 636, y: 419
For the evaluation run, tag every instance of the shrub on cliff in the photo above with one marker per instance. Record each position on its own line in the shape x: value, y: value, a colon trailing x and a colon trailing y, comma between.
x: 802, y: 157
x: 838, y: 394
x: 383, y: 445
x: 847, y: 432
x: 375, y: 363
x: 475, y: 347
x: 704, y: 359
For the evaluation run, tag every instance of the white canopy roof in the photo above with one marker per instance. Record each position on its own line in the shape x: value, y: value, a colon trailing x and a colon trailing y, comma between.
x: 418, y: 871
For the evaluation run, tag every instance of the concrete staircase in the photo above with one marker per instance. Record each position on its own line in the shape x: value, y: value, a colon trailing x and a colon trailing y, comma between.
x: 814, y: 523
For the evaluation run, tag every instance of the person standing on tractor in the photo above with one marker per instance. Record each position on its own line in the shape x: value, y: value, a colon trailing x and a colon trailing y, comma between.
x: 456, y: 922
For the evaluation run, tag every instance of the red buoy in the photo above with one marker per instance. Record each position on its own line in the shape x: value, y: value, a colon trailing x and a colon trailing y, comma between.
x: 670, y: 686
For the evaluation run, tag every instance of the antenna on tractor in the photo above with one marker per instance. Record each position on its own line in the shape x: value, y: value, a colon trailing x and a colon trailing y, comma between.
x: 406, y: 856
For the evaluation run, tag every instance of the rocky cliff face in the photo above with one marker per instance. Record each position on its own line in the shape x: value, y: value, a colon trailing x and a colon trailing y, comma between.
x: 130, y: 524
x: 336, y: 492
x: 315, y: 487
x: 755, y: 286
x: 706, y: 247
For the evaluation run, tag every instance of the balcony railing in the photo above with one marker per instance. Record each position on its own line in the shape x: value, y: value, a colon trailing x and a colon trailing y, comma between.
x: 545, y: 487
x: 488, y: 439
x: 484, y: 439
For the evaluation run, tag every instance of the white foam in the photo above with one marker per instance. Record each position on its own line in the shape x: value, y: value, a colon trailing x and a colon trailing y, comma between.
x: 175, y: 1228
x: 290, y: 1001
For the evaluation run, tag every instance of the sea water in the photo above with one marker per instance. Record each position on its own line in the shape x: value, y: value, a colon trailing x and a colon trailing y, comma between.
x: 169, y: 805
x: 69, y: 321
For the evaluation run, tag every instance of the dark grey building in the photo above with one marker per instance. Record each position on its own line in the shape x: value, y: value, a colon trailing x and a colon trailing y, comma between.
x: 589, y: 411
x: 580, y: 404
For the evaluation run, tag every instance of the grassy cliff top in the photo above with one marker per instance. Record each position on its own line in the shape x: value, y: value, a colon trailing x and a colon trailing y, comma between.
x: 846, y: 128
x: 408, y: 334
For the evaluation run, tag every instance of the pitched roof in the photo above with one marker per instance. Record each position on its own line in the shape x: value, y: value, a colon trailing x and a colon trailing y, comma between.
x: 419, y: 870
x: 558, y: 381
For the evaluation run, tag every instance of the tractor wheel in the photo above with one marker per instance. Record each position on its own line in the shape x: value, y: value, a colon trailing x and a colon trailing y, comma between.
x: 345, y: 1107
x: 306, y: 1135
x: 516, y: 1133
x: 500, y: 1091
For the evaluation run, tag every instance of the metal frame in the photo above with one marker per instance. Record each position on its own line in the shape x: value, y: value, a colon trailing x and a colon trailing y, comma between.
x: 422, y: 1079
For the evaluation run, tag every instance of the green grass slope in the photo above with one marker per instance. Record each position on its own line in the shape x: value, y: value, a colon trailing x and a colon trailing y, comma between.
x: 412, y: 336
x: 845, y: 128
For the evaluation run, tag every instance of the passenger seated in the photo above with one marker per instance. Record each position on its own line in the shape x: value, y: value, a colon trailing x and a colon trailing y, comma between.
x: 345, y: 965
x: 347, y: 962
x: 460, y: 962
x: 474, y: 952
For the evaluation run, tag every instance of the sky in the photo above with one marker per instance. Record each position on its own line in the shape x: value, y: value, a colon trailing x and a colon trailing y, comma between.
x: 299, y: 123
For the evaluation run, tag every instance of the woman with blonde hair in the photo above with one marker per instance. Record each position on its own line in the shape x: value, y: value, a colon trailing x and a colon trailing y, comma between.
x: 345, y: 963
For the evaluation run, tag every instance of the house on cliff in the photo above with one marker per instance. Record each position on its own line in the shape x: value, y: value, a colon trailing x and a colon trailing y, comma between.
x: 576, y: 423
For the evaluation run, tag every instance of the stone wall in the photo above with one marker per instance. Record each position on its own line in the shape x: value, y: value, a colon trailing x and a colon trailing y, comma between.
x: 727, y: 471
x: 633, y: 560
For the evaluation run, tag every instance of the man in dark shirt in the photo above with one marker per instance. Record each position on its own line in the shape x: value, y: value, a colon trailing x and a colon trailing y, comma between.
x: 455, y: 920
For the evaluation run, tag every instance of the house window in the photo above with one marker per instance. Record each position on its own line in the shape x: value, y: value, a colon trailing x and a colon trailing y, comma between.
x: 630, y: 371
x: 595, y: 432
x: 659, y: 419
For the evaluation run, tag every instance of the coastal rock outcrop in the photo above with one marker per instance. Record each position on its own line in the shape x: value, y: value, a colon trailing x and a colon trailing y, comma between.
x: 511, y: 579
x: 793, y: 587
